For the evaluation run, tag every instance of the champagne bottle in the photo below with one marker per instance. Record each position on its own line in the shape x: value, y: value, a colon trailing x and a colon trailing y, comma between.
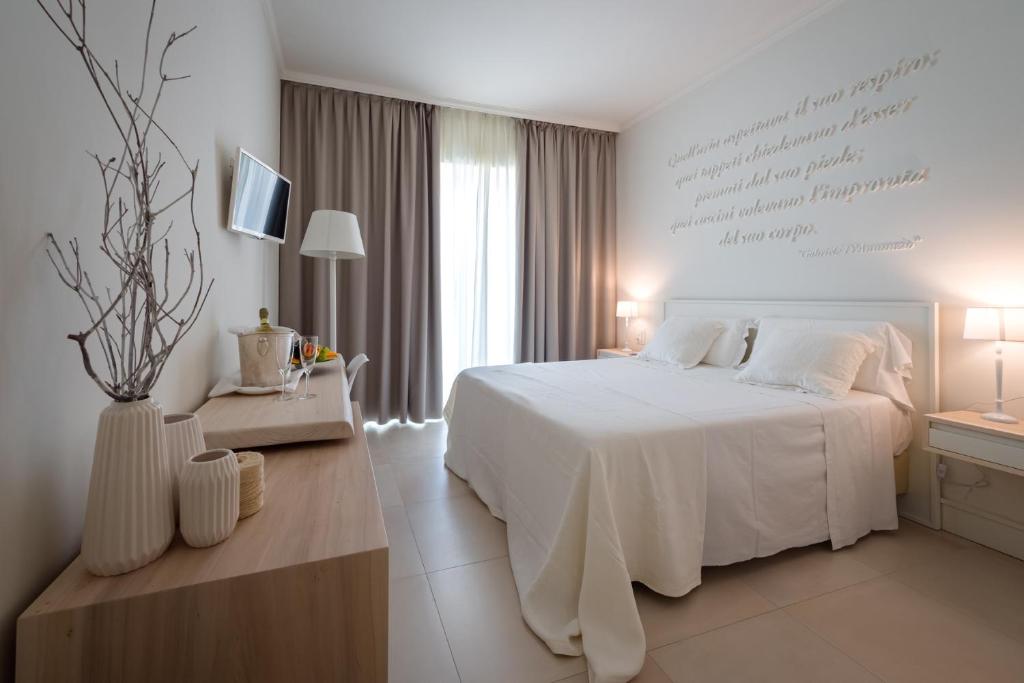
x: 264, y: 321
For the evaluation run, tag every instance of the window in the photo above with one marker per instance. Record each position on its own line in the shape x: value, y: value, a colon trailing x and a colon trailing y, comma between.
x: 478, y: 241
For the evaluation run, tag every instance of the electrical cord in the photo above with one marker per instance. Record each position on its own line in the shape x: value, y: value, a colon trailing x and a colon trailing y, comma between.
x: 981, y: 483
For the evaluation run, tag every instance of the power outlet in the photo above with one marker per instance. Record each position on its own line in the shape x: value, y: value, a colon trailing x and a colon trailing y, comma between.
x: 940, y: 470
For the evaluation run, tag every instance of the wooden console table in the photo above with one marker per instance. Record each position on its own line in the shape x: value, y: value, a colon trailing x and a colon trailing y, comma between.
x: 299, y: 592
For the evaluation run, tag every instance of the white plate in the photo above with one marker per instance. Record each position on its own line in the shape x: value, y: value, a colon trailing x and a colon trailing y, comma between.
x: 230, y: 384
x: 256, y: 391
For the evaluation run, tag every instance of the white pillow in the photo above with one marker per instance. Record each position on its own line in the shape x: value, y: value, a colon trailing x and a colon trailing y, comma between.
x: 822, y: 362
x: 682, y: 340
x: 730, y: 347
x: 884, y: 370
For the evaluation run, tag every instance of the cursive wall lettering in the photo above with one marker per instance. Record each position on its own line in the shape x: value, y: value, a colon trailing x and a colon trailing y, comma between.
x: 746, y: 146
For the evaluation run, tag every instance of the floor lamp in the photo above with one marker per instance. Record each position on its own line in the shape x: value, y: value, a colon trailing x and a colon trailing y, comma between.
x: 333, y: 235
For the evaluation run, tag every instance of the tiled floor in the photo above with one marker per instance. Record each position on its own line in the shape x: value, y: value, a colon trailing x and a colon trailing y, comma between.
x: 912, y: 605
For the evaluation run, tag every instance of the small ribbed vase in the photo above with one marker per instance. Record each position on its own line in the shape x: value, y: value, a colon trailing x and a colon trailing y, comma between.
x: 129, y: 519
x: 208, y: 488
x: 184, y: 439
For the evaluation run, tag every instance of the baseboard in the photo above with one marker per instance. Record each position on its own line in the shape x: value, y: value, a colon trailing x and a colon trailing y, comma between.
x: 918, y: 519
x: 983, y: 528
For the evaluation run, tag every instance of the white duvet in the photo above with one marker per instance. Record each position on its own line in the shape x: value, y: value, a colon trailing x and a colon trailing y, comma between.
x: 613, y: 471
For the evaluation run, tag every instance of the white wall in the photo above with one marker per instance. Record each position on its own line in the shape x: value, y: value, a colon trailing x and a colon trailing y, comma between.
x: 49, y: 116
x: 964, y: 127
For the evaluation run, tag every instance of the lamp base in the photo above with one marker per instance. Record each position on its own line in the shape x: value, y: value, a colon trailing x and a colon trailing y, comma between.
x: 1000, y: 417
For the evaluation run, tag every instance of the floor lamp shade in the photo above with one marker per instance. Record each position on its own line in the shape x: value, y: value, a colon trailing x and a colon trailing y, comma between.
x: 333, y: 235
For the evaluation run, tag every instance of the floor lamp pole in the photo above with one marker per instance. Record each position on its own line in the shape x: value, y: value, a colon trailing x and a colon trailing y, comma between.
x: 334, y: 304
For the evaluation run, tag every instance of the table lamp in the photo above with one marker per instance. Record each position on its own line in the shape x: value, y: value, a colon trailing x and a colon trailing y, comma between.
x: 627, y: 310
x: 997, y: 325
x: 333, y: 235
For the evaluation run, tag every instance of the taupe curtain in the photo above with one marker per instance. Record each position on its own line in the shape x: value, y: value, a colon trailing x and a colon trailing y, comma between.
x: 565, y: 303
x: 375, y: 157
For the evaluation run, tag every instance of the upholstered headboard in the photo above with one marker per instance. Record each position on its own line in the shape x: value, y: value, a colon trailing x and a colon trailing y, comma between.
x: 918, y: 320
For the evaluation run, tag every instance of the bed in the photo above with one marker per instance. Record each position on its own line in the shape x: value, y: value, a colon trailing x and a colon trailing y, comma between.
x: 613, y: 471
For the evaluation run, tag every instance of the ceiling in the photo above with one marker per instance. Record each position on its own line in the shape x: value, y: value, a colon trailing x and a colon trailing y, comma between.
x: 596, y: 63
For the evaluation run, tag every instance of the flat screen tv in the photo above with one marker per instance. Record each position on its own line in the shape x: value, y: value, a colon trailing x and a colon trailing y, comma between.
x: 259, y: 199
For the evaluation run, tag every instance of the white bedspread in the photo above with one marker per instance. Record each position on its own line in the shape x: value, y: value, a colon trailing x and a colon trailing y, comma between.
x: 613, y: 471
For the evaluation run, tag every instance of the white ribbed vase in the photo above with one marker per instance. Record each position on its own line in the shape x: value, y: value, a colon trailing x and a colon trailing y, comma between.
x: 129, y: 519
x: 208, y: 490
x: 184, y: 439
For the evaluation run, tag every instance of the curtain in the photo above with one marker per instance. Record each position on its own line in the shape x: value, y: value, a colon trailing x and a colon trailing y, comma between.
x: 375, y: 157
x: 565, y: 291
x: 478, y: 240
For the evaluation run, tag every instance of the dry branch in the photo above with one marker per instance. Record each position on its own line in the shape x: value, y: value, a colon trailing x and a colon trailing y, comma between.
x: 139, y: 324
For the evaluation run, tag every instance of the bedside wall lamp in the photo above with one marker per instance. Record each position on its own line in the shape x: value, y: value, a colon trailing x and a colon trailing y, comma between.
x: 997, y: 325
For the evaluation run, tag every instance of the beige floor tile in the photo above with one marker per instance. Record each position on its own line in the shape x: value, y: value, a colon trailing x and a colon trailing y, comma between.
x: 454, y: 531
x: 491, y: 643
x: 378, y: 453
x: 403, y: 556
x: 770, y: 647
x: 904, y: 635
x: 428, y: 481
x: 408, y: 443
x: 404, y: 457
x: 718, y: 601
x: 387, y: 485
x: 986, y: 584
x: 801, y: 573
x: 651, y: 673
x: 886, y: 551
x: 417, y: 649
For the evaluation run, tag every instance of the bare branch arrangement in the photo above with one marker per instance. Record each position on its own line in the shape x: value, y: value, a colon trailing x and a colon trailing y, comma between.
x: 138, y: 323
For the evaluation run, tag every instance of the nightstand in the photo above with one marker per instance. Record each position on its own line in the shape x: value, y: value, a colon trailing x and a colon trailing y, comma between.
x: 964, y: 435
x: 614, y: 353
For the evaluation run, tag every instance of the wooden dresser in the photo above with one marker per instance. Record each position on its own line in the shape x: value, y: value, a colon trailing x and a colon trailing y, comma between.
x: 299, y: 592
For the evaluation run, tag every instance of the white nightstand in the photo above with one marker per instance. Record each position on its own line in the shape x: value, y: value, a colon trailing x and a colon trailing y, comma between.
x: 614, y: 353
x: 964, y: 435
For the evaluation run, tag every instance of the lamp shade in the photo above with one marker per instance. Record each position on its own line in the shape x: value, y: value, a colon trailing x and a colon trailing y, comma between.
x: 333, y: 235
x: 994, y: 324
x: 626, y: 309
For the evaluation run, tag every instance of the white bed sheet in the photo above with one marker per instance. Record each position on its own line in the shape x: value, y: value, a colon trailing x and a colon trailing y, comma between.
x: 613, y: 471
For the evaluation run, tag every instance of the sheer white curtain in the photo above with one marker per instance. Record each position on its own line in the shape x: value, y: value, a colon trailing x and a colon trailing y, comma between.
x: 478, y: 241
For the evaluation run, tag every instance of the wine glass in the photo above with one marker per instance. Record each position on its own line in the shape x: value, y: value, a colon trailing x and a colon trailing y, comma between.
x: 283, y: 357
x: 308, y: 350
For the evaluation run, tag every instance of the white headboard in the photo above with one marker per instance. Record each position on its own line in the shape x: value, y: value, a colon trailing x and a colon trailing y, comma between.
x: 919, y: 320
